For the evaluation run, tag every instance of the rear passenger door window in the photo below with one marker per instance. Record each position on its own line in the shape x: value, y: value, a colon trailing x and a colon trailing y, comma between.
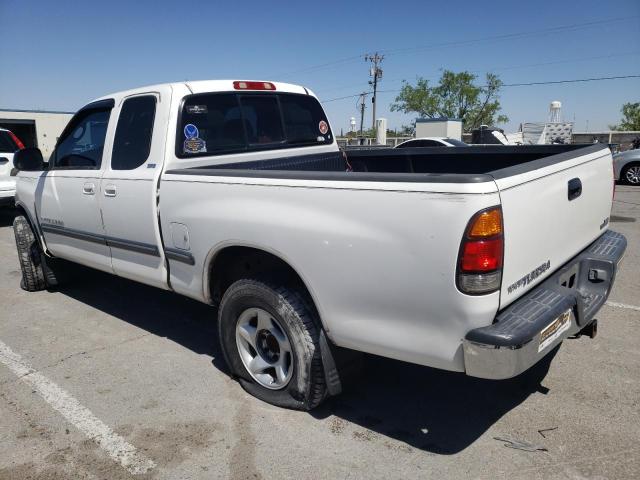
x: 132, y: 141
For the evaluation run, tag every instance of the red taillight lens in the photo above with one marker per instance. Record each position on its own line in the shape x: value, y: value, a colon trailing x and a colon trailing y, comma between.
x: 240, y: 85
x: 16, y: 140
x: 482, y: 256
x: 481, y: 253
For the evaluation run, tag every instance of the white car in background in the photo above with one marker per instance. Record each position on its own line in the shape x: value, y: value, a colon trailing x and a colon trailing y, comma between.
x: 431, y: 142
x: 9, y: 144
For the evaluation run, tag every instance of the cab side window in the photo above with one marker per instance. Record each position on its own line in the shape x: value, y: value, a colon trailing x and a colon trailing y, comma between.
x: 132, y: 142
x: 81, y: 144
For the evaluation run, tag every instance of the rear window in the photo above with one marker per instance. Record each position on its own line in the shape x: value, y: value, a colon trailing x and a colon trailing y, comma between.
x: 217, y: 123
x: 7, y: 145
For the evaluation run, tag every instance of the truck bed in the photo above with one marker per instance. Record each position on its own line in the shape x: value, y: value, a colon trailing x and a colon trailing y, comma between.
x: 449, y: 165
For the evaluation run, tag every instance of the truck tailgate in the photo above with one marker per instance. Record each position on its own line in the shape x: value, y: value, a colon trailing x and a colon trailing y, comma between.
x: 543, y: 226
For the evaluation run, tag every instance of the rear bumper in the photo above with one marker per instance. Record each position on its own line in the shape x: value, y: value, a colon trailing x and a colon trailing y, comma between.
x: 561, y: 306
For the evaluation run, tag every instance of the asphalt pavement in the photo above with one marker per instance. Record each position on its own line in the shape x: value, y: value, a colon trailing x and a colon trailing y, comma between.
x: 108, y: 379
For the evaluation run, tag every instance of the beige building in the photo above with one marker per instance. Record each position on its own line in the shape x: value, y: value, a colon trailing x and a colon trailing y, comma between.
x: 35, y: 128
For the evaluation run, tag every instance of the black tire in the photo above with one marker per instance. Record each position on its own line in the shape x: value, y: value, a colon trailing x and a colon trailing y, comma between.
x: 306, y: 388
x: 36, y: 273
x: 625, y: 170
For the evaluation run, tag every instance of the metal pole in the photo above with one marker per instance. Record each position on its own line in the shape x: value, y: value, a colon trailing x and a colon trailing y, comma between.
x: 376, y: 73
x: 373, y: 101
x: 362, y: 99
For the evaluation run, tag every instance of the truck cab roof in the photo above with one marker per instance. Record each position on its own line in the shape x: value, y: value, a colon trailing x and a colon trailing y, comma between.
x: 206, y: 86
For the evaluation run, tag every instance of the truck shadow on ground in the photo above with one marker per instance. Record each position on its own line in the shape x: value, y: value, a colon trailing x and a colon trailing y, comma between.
x: 431, y: 410
x: 428, y: 409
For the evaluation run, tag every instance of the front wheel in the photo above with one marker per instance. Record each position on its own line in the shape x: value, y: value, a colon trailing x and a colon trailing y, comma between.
x: 631, y: 174
x: 271, y: 343
x: 37, y: 274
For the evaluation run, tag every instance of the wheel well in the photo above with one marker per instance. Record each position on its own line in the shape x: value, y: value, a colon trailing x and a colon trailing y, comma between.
x: 630, y: 164
x: 23, y: 211
x: 234, y: 263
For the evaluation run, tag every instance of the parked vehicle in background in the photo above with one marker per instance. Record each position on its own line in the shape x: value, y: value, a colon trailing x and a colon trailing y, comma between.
x: 9, y: 144
x: 626, y: 166
x: 431, y: 142
x: 478, y: 259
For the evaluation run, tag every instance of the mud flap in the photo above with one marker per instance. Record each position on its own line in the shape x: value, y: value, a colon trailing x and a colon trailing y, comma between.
x: 331, y: 375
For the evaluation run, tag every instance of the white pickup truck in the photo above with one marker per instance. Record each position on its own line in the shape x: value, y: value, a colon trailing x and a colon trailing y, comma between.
x: 477, y: 260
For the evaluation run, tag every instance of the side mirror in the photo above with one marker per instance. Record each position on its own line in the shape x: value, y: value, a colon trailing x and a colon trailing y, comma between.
x: 29, y: 160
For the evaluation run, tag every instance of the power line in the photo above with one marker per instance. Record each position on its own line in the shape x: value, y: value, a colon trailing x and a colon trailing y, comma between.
x: 321, y: 66
x: 569, y: 81
x: 549, y: 82
x: 342, y: 98
x: 558, y: 29
x: 557, y: 62
x: 498, y: 69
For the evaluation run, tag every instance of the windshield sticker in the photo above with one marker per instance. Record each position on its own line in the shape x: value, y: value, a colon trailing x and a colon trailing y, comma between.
x: 193, y: 143
x: 197, y: 109
x: 323, y: 127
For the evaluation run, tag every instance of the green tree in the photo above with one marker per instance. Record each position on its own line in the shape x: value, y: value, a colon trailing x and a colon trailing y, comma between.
x: 630, y: 117
x: 455, y: 96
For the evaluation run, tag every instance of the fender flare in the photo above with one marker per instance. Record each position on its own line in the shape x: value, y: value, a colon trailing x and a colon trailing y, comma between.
x: 215, y: 251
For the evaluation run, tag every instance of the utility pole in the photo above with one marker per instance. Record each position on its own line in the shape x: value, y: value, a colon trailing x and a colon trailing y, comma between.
x: 376, y: 72
x: 363, y: 97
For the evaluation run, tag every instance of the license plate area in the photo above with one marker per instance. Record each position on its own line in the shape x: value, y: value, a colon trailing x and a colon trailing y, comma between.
x: 554, y: 330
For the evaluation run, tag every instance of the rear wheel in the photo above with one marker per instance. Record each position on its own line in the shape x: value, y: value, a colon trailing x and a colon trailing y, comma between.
x: 631, y: 174
x: 37, y: 274
x: 271, y: 343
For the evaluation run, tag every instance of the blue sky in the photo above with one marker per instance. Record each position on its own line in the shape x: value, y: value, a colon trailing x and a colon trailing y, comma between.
x: 59, y: 55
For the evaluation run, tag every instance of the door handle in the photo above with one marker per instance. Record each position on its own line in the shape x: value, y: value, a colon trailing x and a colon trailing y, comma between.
x: 574, y: 188
x: 110, y: 191
x: 89, y: 189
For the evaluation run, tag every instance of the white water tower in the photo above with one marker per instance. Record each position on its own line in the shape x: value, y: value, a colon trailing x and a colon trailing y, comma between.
x: 555, y: 112
x: 352, y: 124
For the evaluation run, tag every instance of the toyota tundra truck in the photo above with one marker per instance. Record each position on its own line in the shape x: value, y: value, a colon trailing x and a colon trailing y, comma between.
x: 235, y: 193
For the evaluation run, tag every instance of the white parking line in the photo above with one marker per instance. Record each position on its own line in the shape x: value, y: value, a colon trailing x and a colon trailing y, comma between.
x: 81, y: 417
x: 623, y: 305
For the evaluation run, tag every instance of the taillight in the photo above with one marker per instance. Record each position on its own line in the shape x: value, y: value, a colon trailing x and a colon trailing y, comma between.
x: 481, y: 253
x: 16, y: 140
x: 239, y: 85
